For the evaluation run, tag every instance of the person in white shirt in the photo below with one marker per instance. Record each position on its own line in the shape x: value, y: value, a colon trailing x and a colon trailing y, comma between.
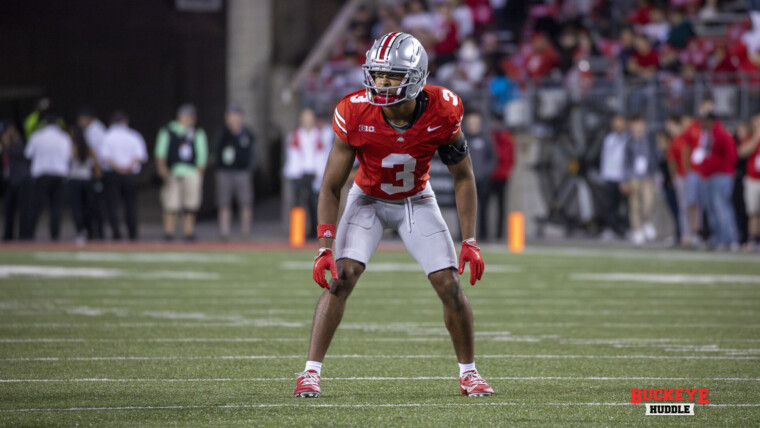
x: 302, y: 162
x: 94, y: 131
x: 49, y: 150
x: 612, y: 171
x: 124, y: 152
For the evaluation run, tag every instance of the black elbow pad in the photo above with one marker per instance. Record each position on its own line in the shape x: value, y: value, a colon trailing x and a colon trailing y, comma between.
x: 454, y: 152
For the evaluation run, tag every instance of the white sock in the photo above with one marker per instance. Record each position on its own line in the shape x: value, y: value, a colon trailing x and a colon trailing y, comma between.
x: 316, y: 366
x: 464, y: 368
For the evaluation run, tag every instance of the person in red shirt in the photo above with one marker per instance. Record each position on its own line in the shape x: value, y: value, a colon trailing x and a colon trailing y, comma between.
x: 499, y: 184
x: 542, y: 59
x: 394, y: 127
x: 750, y: 150
x: 718, y: 167
x: 692, y: 161
x: 640, y: 15
x: 675, y: 160
x: 644, y: 61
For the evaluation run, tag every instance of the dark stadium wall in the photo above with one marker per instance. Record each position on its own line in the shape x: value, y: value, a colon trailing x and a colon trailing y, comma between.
x: 145, y: 57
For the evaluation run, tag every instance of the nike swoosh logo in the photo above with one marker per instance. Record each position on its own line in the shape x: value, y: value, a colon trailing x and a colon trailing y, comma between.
x: 433, y: 129
x: 426, y: 196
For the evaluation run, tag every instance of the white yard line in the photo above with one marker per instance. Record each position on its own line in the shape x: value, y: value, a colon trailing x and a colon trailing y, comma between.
x: 358, y: 356
x: 674, y: 278
x: 98, y: 273
x: 370, y: 326
x: 299, y: 403
x: 646, y: 254
x: 384, y: 378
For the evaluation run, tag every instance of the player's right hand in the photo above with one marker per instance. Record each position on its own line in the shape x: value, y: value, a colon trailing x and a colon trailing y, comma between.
x: 324, y: 261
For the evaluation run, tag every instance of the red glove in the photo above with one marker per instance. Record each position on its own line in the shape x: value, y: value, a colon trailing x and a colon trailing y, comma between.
x: 471, y: 253
x: 323, y: 262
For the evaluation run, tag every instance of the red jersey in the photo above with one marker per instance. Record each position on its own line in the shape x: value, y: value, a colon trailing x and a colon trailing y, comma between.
x: 394, y: 165
x: 753, y: 163
x: 675, y: 153
x: 693, y: 134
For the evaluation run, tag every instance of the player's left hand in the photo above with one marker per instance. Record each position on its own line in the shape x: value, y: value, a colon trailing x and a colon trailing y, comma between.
x: 471, y: 253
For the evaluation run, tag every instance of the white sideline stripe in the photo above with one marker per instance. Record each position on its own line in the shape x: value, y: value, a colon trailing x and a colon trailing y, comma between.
x: 275, y: 357
x: 88, y: 272
x: 394, y: 267
x: 647, y: 254
x: 676, y: 278
x: 267, y: 379
x: 299, y: 404
x: 372, y: 327
x: 139, y: 257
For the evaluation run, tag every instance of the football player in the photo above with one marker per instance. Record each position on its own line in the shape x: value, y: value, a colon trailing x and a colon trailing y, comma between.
x: 394, y: 127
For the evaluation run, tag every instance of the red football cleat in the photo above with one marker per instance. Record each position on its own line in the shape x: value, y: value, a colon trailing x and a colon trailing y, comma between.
x: 472, y: 385
x: 307, y: 385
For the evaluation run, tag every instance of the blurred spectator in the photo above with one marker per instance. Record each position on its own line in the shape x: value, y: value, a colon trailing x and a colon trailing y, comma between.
x: 181, y: 156
x: 718, y: 159
x: 644, y: 61
x: 482, y: 14
x: 742, y: 134
x: 750, y: 150
x: 18, y: 202
x: 467, y: 72
x: 709, y: 11
x: 696, y: 182
x: 303, y: 150
x: 447, y: 41
x: 568, y: 45
x: 612, y: 171
x: 641, y: 14
x: 483, y: 161
x: 49, y: 150
x: 36, y: 119
x: 675, y: 160
x: 235, y: 161
x: 641, y: 163
x: 124, y: 152
x: 94, y: 131
x: 658, y: 27
x: 327, y: 138
x: 84, y: 169
x: 463, y: 18
x: 387, y: 22
x: 419, y: 22
x: 681, y: 30
x: 668, y: 174
x: 499, y: 181
x: 503, y: 90
x: 626, y: 48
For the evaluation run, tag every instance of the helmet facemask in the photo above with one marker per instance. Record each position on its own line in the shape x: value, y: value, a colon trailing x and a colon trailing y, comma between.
x: 389, y: 95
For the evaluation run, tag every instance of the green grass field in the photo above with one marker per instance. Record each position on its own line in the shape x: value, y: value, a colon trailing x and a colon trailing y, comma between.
x: 193, y: 338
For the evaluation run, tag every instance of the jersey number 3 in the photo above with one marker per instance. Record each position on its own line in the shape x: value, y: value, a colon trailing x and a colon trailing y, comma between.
x: 405, y: 176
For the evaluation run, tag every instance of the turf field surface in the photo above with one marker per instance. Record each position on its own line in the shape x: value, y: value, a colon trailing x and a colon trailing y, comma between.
x: 215, y: 338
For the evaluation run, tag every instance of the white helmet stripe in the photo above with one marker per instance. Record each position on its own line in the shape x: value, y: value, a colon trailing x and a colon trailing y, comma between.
x: 385, y: 46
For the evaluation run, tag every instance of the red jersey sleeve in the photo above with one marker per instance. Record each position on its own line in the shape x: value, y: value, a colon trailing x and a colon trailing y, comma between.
x: 451, y: 108
x: 340, y: 120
